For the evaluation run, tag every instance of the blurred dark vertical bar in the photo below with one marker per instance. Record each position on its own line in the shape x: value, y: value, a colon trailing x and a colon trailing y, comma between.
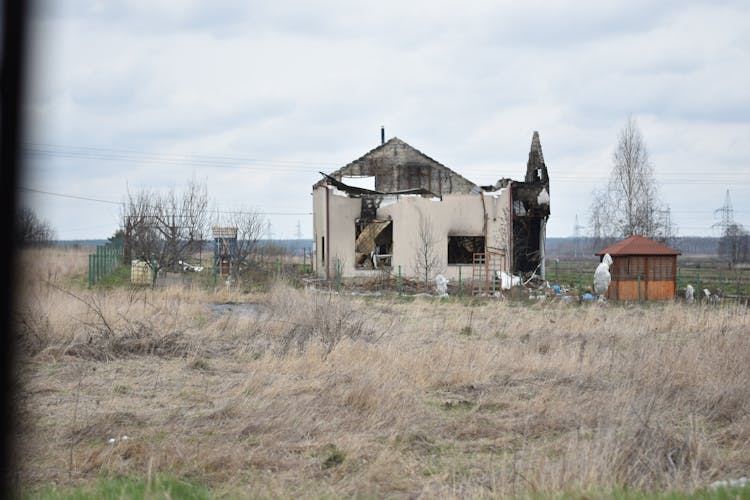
x: 14, y: 17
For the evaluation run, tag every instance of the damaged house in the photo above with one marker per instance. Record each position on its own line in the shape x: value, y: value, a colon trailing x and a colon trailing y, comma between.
x: 396, y: 207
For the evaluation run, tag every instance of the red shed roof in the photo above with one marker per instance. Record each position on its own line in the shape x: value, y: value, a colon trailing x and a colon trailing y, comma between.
x: 638, y: 245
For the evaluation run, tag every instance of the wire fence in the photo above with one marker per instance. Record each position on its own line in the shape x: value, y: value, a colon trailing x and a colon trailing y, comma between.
x: 730, y: 282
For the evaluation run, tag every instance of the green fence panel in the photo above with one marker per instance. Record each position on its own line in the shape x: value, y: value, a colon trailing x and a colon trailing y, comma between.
x: 105, y: 260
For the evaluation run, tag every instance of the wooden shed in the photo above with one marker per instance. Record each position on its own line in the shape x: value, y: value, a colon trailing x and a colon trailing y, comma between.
x: 641, y: 262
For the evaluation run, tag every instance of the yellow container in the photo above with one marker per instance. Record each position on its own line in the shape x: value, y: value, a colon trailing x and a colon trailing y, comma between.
x: 140, y: 273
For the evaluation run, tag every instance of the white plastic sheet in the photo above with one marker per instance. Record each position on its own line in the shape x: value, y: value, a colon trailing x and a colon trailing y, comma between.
x: 441, y: 283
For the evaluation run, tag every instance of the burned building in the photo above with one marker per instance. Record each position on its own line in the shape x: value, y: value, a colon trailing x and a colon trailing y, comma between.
x: 397, y: 208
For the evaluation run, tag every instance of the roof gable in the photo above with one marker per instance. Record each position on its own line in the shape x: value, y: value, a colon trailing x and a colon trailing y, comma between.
x: 398, y: 166
x: 638, y: 245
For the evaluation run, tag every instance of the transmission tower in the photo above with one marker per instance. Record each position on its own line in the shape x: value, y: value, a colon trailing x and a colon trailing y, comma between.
x: 577, y: 235
x: 299, y: 230
x: 726, y: 215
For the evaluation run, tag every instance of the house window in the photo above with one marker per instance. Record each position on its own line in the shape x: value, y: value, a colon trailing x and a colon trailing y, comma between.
x: 461, y: 249
x: 373, y: 244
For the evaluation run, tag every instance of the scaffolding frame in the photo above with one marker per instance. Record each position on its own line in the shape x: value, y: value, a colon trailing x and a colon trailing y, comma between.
x: 484, y: 270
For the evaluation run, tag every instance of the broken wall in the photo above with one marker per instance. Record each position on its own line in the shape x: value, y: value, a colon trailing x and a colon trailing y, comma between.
x: 457, y: 214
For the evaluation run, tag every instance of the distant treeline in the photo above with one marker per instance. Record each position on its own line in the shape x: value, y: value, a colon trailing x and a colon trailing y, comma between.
x: 586, y: 247
x: 292, y: 246
x: 556, y: 247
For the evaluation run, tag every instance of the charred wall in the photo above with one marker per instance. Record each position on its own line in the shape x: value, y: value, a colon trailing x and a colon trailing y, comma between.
x: 531, y: 209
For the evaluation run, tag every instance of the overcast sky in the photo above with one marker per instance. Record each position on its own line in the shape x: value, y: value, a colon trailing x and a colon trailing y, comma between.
x: 256, y: 98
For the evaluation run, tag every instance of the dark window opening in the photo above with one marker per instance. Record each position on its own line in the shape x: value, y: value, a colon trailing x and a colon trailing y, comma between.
x: 461, y: 249
x: 373, y: 244
x: 323, y: 249
x: 527, y: 251
x: 519, y: 208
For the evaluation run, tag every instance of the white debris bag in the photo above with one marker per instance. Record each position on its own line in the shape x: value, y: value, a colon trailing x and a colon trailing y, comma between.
x: 441, y: 283
x: 508, y: 281
x: 602, y: 278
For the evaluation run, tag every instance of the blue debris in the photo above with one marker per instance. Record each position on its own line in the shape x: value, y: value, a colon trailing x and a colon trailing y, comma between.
x: 588, y: 296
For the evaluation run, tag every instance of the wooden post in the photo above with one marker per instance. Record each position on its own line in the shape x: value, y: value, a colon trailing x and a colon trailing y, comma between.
x: 126, y: 249
x: 639, y: 289
x: 91, y: 270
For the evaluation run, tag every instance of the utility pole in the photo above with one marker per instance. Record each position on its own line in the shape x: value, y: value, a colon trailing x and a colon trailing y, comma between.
x: 126, y: 248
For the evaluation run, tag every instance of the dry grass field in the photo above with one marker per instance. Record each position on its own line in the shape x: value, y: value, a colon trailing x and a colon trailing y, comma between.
x: 297, y: 393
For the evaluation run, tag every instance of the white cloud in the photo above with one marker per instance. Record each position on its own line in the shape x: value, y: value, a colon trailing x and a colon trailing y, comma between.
x: 290, y: 80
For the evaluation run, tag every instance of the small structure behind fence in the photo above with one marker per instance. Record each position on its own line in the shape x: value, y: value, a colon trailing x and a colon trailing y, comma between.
x: 105, y: 260
x: 225, y: 250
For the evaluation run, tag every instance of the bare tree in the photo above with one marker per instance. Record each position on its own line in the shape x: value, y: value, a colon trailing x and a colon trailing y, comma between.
x: 426, y: 260
x: 141, y: 237
x: 31, y: 230
x: 734, y: 244
x: 166, y: 228
x: 250, y: 228
x: 630, y: 203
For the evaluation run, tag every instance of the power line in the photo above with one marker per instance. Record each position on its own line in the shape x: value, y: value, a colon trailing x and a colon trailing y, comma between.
x: 280, y: 213
x: 176, y: 213
x: 249, y: 163
x: 129, y: 155
x: 75, y: 197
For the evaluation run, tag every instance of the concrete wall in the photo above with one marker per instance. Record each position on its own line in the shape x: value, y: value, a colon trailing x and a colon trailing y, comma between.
x: 337, y: 229
x: 455, y: 214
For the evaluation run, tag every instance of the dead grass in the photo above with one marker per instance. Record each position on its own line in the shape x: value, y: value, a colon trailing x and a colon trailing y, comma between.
x: 320, y: 395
